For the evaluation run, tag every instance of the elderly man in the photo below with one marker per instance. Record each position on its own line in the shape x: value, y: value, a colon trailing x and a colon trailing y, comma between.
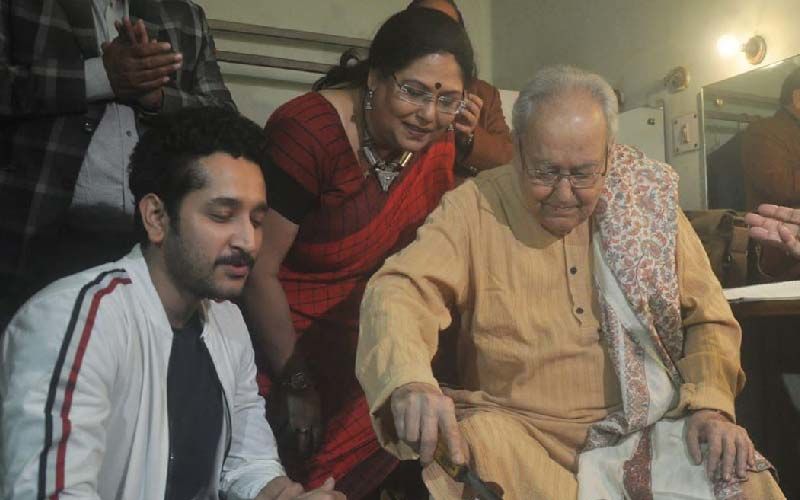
x: 597, y: 357
x: 135, y: 380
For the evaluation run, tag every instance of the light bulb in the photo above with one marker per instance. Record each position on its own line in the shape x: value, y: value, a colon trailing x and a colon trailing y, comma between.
x: 728, y: 45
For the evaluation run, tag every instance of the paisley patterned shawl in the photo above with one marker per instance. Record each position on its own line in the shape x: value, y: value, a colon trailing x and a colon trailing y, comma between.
x: 636, y: 225
x: 636, y: 218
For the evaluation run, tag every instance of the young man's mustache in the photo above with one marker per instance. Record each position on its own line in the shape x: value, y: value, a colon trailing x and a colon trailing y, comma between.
x: 238, y: 259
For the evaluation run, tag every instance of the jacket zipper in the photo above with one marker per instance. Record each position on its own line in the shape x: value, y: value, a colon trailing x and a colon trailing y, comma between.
x: 171, y: 460
x: 228, y: 420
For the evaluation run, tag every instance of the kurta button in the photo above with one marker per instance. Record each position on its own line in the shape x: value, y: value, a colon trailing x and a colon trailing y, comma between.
x: 579, y: 310
x: 88, y: 126
x: 573, y: 270
x: 128, y: 133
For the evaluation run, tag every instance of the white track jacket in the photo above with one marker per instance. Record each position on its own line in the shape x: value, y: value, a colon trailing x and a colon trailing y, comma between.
x: 83, y: 393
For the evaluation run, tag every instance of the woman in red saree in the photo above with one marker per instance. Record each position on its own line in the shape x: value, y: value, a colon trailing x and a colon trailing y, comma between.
x: 357, y: 166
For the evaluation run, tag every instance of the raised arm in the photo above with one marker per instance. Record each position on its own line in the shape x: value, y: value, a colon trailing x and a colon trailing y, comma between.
x: 208, y: 88
x: 491, y: 143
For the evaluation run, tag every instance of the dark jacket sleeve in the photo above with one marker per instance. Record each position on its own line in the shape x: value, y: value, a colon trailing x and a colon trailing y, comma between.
x: 205, y: 86
x: 41, y: 82
x: 491, y: 146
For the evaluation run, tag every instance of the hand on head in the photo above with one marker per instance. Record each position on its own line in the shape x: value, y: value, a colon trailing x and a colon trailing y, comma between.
x: 777, y: 226
x: 422, y: 416
x: 138, y: 67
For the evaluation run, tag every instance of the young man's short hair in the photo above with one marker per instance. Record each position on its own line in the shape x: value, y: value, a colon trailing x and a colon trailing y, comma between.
x: 164, y: 161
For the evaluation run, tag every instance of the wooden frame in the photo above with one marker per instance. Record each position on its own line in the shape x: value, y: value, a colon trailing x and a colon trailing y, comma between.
x: 223, y: 28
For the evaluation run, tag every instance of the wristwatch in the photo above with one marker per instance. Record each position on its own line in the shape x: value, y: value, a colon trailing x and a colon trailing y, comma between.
x: 297, y: 381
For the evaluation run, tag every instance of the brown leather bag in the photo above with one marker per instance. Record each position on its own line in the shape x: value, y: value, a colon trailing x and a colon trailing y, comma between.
x: 724, y: 236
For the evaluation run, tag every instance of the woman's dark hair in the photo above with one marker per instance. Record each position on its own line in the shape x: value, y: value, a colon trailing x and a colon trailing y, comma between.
x: 417, y: 4
x: 164, y: 161
x: 404, y: 38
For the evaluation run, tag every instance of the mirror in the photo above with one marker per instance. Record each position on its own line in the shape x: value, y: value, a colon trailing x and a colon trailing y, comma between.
x: 729, y: 107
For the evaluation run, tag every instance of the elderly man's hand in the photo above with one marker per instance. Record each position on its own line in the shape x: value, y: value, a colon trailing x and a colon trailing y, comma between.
x: 777, y: 226
x: 283, y: 488
x: 420, y: 414
x: 729, y: 446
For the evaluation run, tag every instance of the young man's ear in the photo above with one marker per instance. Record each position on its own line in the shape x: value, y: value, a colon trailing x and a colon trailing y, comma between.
x: 154, y: 218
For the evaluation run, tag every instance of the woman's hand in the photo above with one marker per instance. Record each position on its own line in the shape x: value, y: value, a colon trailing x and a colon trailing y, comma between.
x: 467, y: 120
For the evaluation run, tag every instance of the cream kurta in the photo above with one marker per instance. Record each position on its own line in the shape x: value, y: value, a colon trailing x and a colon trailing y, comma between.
x: 531, y: 358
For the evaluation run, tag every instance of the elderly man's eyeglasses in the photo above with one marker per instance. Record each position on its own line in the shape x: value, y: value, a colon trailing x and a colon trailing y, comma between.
x: 419, y: 97
x: 551, y: 176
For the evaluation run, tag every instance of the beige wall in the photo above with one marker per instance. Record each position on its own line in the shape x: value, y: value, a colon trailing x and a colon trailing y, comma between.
x: 633, y: 43
x: 258, y: 91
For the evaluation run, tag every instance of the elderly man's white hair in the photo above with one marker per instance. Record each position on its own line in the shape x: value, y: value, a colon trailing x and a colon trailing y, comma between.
x: 554, y: 81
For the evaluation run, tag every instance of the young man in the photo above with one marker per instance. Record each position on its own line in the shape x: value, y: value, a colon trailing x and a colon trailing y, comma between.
x: 135, y: 379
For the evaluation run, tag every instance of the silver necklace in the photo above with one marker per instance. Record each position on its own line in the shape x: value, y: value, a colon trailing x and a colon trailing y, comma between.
x: 385, y: 171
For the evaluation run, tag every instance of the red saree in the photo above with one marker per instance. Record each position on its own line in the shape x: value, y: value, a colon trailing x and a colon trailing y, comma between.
x: 352, y: 229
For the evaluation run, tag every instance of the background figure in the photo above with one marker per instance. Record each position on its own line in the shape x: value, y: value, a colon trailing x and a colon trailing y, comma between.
x: 483, y: 139
x: 356, y: 169
x: 77, y: 86
x: 771, y: 152
x: 135, y: 379
x: 771, y: 159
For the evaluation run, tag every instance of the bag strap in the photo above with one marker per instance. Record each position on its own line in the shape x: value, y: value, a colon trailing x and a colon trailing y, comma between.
x: 736, y: 273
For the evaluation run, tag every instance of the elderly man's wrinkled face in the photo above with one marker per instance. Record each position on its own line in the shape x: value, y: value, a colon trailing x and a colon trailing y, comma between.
x: 564, y: 146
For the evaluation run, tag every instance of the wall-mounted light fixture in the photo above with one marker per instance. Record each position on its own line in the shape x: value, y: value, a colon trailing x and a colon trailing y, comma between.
x: 755, y: 48
x: 677, y: 79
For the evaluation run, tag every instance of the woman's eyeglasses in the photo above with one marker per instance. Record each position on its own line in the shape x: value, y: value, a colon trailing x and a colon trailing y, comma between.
x: 413, y: 95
